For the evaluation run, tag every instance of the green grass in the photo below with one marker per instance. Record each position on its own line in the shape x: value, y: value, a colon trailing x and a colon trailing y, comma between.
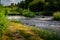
x: 45, y: 34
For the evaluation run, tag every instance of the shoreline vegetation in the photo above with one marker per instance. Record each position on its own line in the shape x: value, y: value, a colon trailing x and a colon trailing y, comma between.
x: 28, y: 33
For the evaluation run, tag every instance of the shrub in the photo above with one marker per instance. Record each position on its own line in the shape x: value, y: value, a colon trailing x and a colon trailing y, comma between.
x: 6, y: 10
x: 56, y: 16
x: 19, y: 10
x: 3, y: 21
x: 28, y: 13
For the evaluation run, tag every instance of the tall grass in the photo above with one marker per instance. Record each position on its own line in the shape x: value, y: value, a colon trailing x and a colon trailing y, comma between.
x: 45, y: 34
x: 3, y: 21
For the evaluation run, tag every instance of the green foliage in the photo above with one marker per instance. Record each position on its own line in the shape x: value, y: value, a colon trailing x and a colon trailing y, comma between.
x: 37, y: 6
x: 35, y: 2
x: 11, y: 10
x: 47, y: 6
x: 20, y: 10
x: 6, y: 11
x: 45, y: 34
x: 56, y: 16
x: 3, y: 21
x: 28, y: 13
x: 39, y: 13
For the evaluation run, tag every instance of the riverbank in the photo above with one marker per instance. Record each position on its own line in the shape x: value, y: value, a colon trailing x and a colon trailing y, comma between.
x: 17, y: 31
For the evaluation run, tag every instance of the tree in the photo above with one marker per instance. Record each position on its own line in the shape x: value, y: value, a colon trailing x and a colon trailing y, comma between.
x: 37, y: 6
x: 21, y: 4
x: 12, y: 4
x: 46, y: 6
x: 27, y: 3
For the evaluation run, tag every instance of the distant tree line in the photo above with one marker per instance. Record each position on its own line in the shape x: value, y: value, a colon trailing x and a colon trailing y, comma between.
x: 46, y: 6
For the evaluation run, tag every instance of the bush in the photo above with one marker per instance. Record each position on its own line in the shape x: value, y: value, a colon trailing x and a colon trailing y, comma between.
x: 56, y: 16
x: 28, y: 13
x: 19, y: 10
x: 3, y: 21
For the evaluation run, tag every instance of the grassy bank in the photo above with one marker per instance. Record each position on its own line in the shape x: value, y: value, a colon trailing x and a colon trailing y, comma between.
x: 17, y: 31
